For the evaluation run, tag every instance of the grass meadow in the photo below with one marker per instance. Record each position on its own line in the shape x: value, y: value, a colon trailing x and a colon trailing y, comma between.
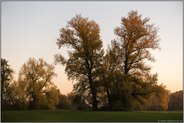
x: 90, y: 116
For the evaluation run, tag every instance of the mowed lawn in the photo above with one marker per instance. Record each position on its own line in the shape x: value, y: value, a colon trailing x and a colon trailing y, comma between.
x: 90, y: 116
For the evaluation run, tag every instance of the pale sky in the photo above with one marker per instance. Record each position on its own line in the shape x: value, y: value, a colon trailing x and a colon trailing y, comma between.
x: 30, y: 29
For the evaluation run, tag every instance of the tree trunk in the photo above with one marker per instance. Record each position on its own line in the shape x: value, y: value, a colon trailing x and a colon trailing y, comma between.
x: 108, y: 93
x: 109, y: 99
x: 2, y: 90
x: 33, y: 103
x: 94, y: 98
x: 93, y: 92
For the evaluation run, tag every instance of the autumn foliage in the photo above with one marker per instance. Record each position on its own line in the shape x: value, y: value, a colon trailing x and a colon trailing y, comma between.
x: 117, y: 78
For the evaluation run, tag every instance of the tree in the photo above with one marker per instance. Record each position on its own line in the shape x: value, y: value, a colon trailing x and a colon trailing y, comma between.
x: 35, y: 80
x: 21, y: 100
x: 176, y: 101
x: 64, y: 102
x: 135, y: 38
x: 77, y: 101
x: 158, y: 101
x: 110, y: 74
x: 6, y: 80
x: 82, y: 36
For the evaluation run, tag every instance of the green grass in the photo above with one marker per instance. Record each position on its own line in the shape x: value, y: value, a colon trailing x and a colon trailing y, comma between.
x: 89, y: 116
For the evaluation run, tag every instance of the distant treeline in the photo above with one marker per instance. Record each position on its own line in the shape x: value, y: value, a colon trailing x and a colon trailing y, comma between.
x: 172, y: 102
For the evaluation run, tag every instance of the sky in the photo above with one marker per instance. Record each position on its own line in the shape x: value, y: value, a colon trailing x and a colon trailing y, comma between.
x: 30, y: 29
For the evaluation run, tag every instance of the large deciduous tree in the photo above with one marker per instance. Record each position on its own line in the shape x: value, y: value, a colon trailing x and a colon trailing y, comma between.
x: 35, y: 80
x: 82, y: 36
x: 6, y: 79
x: 136, y: 37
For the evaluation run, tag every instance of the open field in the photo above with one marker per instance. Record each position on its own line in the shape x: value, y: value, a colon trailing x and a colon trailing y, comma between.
x: 91, y: 116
